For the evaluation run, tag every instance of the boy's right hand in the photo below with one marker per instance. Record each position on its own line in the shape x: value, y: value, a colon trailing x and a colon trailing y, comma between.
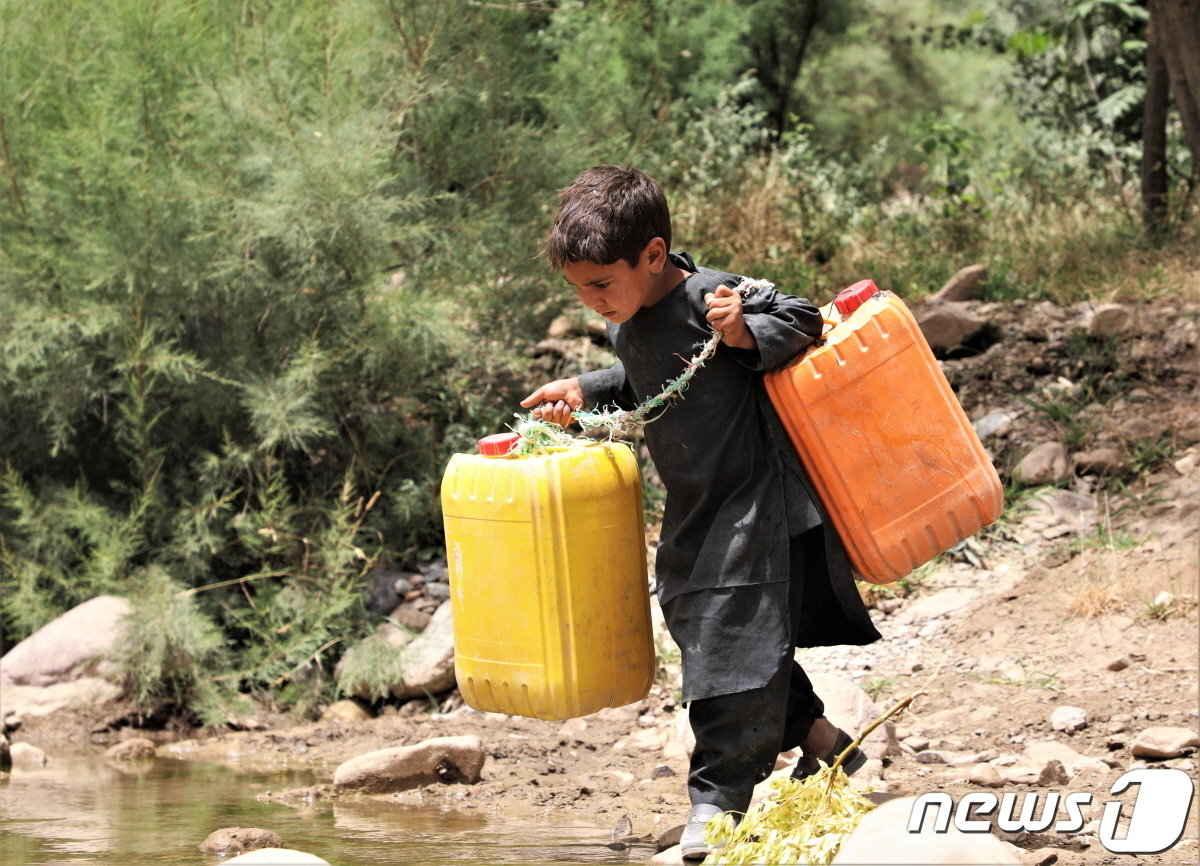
x: 555, y: 401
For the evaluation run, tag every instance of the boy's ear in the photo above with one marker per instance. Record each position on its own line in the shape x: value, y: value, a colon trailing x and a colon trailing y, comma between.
x: 655, y: 255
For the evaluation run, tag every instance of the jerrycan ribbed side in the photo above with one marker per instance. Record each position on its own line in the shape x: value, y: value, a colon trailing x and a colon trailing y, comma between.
x: 892, y: 455
x: 547, y: 561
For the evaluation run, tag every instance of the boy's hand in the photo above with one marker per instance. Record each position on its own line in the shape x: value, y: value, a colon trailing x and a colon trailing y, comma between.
x: 725, y: 315
x: 555, y: 401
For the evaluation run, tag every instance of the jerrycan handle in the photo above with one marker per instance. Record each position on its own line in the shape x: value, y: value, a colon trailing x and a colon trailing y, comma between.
x: 849, y: 300
x: 497, y: 445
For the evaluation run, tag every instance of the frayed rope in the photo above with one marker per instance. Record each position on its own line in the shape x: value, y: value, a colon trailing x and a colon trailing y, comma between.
x: 539, y: 436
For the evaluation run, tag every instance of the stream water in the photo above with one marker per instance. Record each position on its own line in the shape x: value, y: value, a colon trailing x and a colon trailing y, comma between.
x: 159, y: 811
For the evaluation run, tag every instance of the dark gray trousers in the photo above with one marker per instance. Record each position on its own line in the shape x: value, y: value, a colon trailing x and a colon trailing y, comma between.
x: 739, y: 736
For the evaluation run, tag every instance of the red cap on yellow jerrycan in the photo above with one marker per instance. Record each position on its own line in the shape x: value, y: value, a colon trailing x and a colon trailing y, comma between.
x: 497, y: 445
x: 849, y: 300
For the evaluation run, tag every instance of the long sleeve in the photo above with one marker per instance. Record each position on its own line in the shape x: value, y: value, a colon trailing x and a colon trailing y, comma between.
x: 782, y: 325
x: 607, y: 388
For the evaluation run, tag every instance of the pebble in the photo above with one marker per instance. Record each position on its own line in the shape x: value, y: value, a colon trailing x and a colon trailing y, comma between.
x: 1053, y: 775
x: 1159, y: 743
x: 1068, y: 719
x: 236, y: 840
x: 986, y: 776
x: 131, y: 749
x: 27, y: 755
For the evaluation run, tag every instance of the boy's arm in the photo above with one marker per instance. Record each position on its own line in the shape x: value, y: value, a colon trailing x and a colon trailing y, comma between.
x: 607, y: 388
x: 555, y: 401
x: 782, y: 325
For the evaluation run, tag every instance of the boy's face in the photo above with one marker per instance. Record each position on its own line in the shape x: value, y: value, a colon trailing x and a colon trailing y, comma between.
x: 616, y: 291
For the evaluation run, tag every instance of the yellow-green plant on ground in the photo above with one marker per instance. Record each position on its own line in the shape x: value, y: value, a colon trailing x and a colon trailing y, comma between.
x: 802, y: 821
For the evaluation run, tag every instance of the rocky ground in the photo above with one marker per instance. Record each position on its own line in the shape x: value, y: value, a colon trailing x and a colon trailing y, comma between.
x: 1054, y: 651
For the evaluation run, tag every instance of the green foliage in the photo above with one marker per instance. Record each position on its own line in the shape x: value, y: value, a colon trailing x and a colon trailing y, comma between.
x: 370, y: 668
x: 169, y: 648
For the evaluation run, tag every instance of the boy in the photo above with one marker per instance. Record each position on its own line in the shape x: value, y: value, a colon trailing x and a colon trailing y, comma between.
x: 745, y: 569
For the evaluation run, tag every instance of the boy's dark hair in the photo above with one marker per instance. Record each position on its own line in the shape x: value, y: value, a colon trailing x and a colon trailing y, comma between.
x: 608, y: 213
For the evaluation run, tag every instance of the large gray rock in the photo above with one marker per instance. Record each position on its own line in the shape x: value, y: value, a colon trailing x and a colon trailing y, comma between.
x: 276, y: 857
x: 80, y: 642
x: 386, y: 771
x: 428, y: 666
x: 84, y: 694
x: 883, y: 838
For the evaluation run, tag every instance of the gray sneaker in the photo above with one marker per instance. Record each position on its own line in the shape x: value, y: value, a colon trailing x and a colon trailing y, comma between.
x: 691, y: 844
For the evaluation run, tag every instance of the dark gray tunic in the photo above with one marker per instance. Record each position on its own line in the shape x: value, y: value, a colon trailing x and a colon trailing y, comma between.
x: 736, y: 493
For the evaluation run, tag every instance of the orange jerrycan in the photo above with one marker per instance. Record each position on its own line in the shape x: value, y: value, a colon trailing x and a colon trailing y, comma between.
x: 889, y: 449
x: 547, y: 558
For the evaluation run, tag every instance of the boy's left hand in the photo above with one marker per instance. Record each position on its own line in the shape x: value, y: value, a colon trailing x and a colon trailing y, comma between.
x: 725, y: 315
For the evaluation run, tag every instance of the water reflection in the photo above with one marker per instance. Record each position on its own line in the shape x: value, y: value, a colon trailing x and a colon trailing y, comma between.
x: 159, y: 811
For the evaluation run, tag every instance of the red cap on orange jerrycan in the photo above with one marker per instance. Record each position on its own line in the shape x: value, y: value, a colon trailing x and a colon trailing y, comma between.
x: 497, y: 445
x: 849, y: 300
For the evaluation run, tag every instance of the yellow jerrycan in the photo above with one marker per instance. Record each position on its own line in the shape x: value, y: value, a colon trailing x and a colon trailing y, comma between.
x: 889, y: 449
x: 548, y: 586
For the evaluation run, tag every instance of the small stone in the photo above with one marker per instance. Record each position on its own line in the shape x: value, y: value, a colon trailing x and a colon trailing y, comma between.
x: 1120, y: 664
x: 1152, y: 743
x: 1044, y: 464
x: 1053, y: 775
x: 987, y: 776
x: 994, y: 424
x: 347, y: 711
x: 1068, y: 719
x: 1099, y: 461
x: 411, y: 616
x: 235, y: 840
x: 131, y: 750
x: 571, y: 732
x: 1110, y: 320
x: 26, y: 755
